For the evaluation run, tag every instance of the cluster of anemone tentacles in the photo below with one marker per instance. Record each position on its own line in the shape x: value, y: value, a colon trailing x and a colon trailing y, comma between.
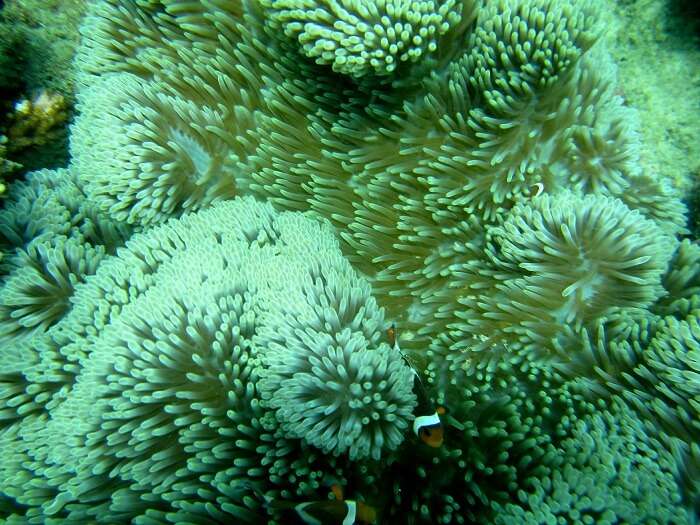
x: 482, y: 180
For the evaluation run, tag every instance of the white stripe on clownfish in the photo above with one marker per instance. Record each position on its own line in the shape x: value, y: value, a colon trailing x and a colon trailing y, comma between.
x: 426, y: 421
x: 427, y: 426
x: 352, y: 512
x: 300, y: 509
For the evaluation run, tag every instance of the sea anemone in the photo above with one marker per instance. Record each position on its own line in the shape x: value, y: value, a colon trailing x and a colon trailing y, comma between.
x: 166, y: 156
x: 366, y: 37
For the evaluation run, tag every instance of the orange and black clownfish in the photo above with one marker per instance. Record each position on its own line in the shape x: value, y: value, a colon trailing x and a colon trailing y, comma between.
x: 329, y: 512
x: 427, y: 424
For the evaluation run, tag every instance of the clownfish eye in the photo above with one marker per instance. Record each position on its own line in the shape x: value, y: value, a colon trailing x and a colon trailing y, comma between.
x: 426, y: 432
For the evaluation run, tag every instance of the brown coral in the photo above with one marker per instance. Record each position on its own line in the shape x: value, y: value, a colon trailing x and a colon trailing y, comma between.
x: 36, y: 121
x: 6, y: 165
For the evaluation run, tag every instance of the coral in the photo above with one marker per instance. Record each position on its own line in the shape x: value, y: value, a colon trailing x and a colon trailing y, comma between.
x: 525, y: 446
x: 6, y: 166
x: 656, y: 374
x: 37, y: 44
x: 524, y: 80
x: 487, y: 195
x: 34, y: 122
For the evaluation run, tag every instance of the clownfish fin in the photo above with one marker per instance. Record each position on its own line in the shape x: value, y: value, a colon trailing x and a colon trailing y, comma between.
x: 337, y: 491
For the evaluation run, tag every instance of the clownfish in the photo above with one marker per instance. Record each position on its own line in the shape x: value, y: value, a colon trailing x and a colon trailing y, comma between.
x: 427, y: 424
x: 329, y: 512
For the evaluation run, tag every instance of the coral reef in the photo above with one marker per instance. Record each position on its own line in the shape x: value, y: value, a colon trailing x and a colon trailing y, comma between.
x: 32, y: 125
x: 472, y: 174
x: 34, y: 121
x: 37, y: 44
x: 6, y: 165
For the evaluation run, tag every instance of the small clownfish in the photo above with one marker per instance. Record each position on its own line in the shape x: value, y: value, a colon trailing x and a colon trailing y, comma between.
x: 330, y: 512
x: 427, y: 424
